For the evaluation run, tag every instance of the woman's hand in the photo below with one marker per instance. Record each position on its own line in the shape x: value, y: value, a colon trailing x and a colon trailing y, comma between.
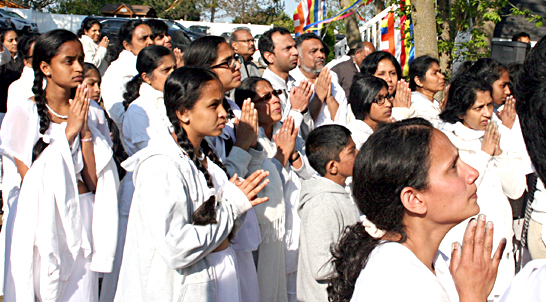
x: 179, y: 57
x: 508, y: 113
x: 443, y: 102
x: 247, y: 129
x: 491, y: 139
x: 252, y: 185
x: 403, y: 95
x: 104, y: 42
x: 77, y: 115
x: 285, y: 140
x: 473, y: 270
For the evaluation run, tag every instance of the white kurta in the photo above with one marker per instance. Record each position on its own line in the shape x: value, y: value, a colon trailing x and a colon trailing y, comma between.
x: 499, y: 177
x: 94, y: 54
x: 113, y: 84
x: 426, y: 109
x: 72, y: 237
x: 324, y: 117
x: 394, y: 273
x: 166, y: 256
x: 360, y: 132
x: 22, y: 88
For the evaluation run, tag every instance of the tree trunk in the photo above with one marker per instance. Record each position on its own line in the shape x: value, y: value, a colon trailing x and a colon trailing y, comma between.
x: 379, y: 6
x: 488, y: 28
x: 447, y: 36
x: 351, y: 27
x: 423, y: 15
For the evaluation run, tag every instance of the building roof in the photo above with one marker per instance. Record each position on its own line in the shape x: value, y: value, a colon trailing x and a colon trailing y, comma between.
x: 123, y: 9
x: 511, y: 25
x: 12, y: 4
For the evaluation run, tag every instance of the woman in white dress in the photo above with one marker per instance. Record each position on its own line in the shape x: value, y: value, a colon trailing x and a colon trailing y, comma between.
x: 488, y: 147
x: 371, y: 106
x: 134, y: 35
x: 426, y: 79
x: 145, y: 120
x: 184, y: 207
x: 413, y: 188
x: 64, y: 222
x: 94, y: 48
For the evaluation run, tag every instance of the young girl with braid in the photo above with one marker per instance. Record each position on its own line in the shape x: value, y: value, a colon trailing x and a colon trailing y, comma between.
x: 184, y: 208
x: 62, y: 227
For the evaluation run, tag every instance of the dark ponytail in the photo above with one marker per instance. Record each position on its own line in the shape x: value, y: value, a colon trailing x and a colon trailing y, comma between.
x: 395, y: 157
x: 46, y: 47
x: 148, y: 60
x: 183, y: 88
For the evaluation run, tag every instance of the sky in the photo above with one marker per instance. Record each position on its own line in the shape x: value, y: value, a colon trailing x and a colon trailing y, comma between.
x: 290, y: 7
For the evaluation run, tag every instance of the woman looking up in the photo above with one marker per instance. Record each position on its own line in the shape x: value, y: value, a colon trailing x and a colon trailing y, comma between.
x: 426, y: 79
x: 94, y: 47
x: 134, y: 35
x: 489, y: 148
x: 413, y: 188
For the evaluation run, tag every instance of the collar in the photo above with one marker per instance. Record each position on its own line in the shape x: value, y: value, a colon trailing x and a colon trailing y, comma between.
x: 276, y: 80
x: 154, y: 97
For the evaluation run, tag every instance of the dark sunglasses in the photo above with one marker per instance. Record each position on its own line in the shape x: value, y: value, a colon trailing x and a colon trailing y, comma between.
x: 268, y: 96
x: 230, y: 63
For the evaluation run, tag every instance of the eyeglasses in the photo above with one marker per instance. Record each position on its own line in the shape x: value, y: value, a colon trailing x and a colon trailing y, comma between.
x: 380, y: 100
x: 245, y: 41
x: 268, y: 96
x: 230, y: 63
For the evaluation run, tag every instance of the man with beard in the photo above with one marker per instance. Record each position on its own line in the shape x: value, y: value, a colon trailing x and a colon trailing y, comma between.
x: 328, y: 105
x: 242, y: 43
x: 278, y: 49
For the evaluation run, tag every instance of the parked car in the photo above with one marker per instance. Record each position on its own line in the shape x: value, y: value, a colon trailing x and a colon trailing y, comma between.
x: 175, y: 26
x: 19, y: 23
x: 201, y: 29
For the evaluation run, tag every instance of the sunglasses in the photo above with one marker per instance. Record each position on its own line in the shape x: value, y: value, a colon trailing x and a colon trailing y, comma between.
x: 268, y: 96
x: 230, y: 63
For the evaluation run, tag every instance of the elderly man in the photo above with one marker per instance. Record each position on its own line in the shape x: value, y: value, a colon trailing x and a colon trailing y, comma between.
x: 328, y: 104
x: 242, y: 43
x: 345, y: 71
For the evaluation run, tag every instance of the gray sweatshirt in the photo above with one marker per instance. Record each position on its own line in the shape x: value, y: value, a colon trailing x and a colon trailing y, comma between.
x: 325, y: 209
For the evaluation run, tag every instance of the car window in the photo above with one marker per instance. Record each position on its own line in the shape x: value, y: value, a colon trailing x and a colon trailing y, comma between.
x: 13, y: 14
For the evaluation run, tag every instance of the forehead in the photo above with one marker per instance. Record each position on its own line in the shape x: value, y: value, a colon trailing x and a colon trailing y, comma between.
x: 442, y: 151
x: 10, y: 34
x: 242, y: 34
x: 142, y: 30
x: 385, y: 64
x: 433, y: 67
x: 483, y: 97
x: 212, y: 90
x: 70, y: 49
x: 223, y: 51
x: 263, y: 87
x: 282, y: 40
x: 312, y: 43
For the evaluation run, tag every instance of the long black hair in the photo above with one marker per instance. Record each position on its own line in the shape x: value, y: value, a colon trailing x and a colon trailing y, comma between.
x: 46, y: 47
x: 247, y: 89
x: 489, y: 69
x: 395, y: 157
x: 147, y: 61
x: 183, y: 89
x: 125, y: 34
x: 531, y: 105
x: 363, y: 92
x: 87, y: 23
x: 462, y: 96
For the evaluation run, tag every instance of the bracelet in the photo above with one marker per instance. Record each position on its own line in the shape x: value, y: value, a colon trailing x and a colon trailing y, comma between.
x: 85, y: 140
x: 293, y: 160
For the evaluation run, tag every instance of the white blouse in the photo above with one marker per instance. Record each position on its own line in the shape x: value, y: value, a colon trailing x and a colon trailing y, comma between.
x: 425, y: 108
x: 360, y: 132
x: 94, y: 54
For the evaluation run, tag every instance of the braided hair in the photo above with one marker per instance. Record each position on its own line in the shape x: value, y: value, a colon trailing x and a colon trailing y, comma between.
x: 183, y: 89
x: 46, y: 47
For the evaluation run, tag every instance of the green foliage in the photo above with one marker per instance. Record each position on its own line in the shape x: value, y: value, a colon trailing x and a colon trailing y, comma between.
x: 330, y: 39
x: 532, y: 18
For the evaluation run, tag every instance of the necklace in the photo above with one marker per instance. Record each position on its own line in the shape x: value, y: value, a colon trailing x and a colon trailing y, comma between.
x: 202, y: 157
x: 64, y: 117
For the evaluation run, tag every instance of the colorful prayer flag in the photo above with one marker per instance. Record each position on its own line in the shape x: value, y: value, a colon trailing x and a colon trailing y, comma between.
x: 394, y: 39
x: 309, y: 12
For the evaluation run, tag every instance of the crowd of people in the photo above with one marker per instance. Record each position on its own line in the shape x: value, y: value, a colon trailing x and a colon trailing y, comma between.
x: 161, y: 175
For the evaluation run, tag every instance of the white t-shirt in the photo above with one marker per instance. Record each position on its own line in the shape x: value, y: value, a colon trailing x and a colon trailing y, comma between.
x: 425, y: 108
x: 394, y: 273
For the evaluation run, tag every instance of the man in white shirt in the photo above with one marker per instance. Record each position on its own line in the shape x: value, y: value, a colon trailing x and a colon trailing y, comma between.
x: 328, y: 104
x: 278, y: 49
